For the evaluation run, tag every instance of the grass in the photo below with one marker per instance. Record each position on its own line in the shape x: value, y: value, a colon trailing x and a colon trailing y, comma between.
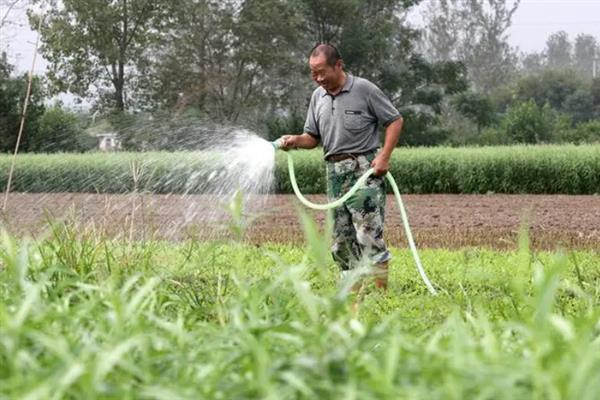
x: 82, y: 316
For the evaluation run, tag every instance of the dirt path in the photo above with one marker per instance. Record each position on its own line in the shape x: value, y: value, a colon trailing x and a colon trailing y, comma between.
x: 437, y: 220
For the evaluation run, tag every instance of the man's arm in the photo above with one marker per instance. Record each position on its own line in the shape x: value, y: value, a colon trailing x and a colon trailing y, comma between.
x: 381, y: 163
x: 303, y: 141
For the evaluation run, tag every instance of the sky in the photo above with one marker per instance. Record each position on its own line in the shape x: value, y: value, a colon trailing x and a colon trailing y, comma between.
x: 533, y: 22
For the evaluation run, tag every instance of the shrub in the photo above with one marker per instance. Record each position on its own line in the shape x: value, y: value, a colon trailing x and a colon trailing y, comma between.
x: 60, y: 131
x: 587, y: 132
x: 528, y: 123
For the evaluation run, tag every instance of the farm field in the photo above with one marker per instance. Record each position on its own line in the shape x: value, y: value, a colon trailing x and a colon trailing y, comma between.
x: 156, y: 242
x: 173, y: 296
x: 438, y: 221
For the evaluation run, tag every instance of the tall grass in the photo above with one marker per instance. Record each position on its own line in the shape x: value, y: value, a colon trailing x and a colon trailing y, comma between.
x: 566, y: 169
x: 85, y: 317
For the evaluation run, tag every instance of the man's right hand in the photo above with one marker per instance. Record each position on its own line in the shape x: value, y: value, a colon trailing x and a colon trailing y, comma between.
x: 289, y: 142
x: 303, y: 141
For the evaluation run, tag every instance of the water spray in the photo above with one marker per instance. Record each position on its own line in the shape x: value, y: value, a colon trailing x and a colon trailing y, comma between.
x: 277, y: 144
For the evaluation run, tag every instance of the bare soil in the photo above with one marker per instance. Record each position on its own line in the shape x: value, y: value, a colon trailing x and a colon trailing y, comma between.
x: 438, y: 221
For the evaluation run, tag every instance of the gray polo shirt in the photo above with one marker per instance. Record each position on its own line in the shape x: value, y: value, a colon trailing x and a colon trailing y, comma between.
x: 347, y: 122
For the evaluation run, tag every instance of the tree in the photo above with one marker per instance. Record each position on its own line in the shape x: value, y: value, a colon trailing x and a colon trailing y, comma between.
x: 376, y: 44
x: 527, y: 122
x: 558, y: 50
x: 248, y: 58
x: 580, y: 106
x: 553, y: 87
x: 7, y: 7
x: 475, y: 33
x: 374, y: 41
x: 477, y: 107
x: 595, y: 91
x: 586, y: 48
x: 12, y: 99
x: 444, y: 30
x: 60, y: 131
x: 94, y: 44
x: 425, y: 88
x: 229, y: 59
x: 533, y: 62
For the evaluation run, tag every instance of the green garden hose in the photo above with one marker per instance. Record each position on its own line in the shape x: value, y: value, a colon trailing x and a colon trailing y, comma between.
x: 360, y: 183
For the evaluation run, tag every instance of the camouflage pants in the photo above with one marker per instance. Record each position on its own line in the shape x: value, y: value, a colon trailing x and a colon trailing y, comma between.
x: 358, y: 223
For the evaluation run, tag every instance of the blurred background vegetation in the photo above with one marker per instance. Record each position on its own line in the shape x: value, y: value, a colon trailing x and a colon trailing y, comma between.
x: 456, y: 79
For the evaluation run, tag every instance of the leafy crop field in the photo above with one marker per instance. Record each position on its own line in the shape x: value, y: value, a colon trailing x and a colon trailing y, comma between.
x: 84, y: 316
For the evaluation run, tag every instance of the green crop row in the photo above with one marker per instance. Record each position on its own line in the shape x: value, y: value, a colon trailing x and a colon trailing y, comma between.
x: 566, y: 169
x: 549, y: 169
x: 155, y: 172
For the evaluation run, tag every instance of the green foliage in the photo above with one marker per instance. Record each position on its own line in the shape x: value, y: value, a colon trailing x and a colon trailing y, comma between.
x: 108, y: 173
x: 563, y: 169
x: 279, y: 126
x: 585, y: 50
x: 473, y: 32
x: 415, y: 131
x: 60, y: 131
x: 491, y: 136
x: 12, y: 102
x: 93, y: 44
x: 595, y: 92
x: 529, y: 123
x: 587, y: 132
x: 425, y: 87
x: 476, y: 106
x: 580, y: 106
x: 94, y: 318
x: 559, y: 48
x: 550, y: 86
x: 373, y: 40
x: 233, y: 63
x: 310, y: 172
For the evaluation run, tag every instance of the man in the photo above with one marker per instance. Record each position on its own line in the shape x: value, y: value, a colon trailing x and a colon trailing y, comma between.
x: 343, y: 115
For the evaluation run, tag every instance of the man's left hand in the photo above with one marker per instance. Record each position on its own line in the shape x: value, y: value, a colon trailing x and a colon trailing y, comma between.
x: 381, y: 165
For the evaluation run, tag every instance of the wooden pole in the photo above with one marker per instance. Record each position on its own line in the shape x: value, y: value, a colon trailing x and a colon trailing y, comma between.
x: 23, y: 115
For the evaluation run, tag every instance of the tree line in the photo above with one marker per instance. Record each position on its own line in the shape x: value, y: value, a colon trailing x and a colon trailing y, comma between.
x: 456, y: 79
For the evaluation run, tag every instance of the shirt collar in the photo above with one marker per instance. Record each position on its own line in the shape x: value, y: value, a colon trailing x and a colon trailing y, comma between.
x: 347, y: 86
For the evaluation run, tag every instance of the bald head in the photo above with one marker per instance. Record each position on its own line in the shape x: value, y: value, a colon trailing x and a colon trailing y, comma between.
x: 330, y: 52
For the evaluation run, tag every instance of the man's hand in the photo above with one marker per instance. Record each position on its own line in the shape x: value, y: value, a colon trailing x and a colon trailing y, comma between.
x: 289, y: 142
x: 380, y: 164
x: 304, y: 141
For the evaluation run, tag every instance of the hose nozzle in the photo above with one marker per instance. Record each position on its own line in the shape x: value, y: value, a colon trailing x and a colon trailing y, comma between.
x: 277, y: 143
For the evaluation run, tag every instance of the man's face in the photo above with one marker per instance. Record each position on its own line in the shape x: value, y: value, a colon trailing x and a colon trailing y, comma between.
x: 324, y: 74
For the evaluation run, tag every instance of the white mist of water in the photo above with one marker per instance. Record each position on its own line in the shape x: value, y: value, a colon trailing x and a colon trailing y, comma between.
x: 242, y: 161
x: 202, y: 168
x: 238, y: 161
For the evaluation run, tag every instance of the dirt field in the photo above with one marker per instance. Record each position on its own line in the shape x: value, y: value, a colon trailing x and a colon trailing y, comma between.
x: 437, y: 220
